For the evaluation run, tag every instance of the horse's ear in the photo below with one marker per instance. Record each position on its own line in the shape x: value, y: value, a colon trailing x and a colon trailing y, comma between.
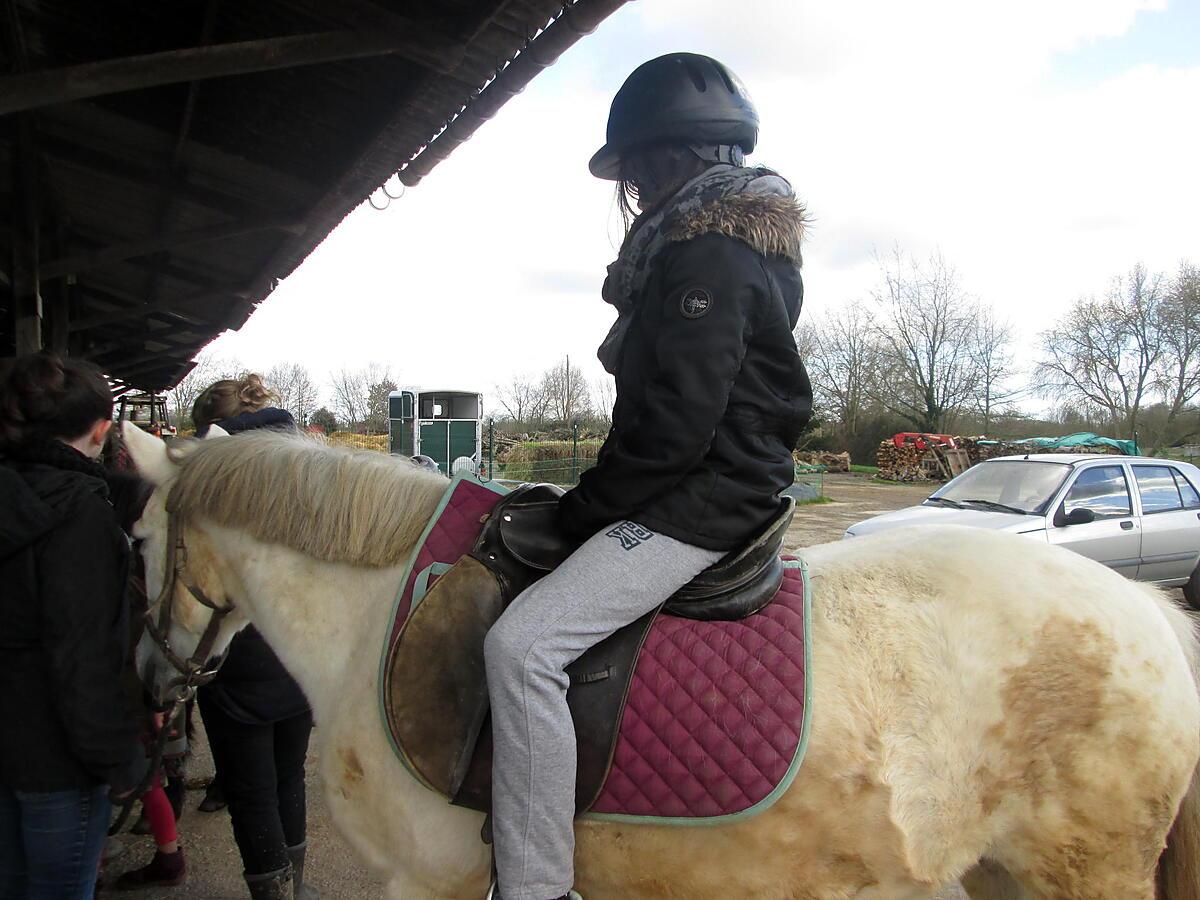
x: 215, y: 431
x: 149, y: 454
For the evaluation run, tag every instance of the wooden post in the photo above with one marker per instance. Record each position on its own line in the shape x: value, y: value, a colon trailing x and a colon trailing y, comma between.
x: 27, y: 301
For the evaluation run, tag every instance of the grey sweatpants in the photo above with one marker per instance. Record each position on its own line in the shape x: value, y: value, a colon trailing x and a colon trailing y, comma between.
x: 620, y: 574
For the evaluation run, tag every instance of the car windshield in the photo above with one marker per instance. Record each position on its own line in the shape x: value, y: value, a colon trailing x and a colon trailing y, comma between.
x: 1011, y: 485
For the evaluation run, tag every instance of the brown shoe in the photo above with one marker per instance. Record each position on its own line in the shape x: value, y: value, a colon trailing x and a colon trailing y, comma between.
x: 166, y: 870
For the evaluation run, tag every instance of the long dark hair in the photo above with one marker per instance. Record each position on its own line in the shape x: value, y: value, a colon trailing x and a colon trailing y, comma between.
x: 653, y: 165
x: 45, y: 397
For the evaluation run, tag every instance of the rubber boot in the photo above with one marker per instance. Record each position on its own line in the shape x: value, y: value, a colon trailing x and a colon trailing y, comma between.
x: 214, y: 798
x: 165, y: 869
x: 174, y: 789
x: 142, y: 826
x: 275, y: 885
x: 300, y: 890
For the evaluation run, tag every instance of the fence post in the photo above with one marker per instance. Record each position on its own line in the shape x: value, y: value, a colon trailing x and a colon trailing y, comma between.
x: 575, y: 452
x: 491, y: 463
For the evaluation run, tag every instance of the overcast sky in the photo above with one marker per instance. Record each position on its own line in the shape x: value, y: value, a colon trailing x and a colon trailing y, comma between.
x: 1042, y: 146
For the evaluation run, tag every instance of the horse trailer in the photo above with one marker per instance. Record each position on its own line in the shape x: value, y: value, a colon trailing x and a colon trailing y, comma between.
x: 444, y: 425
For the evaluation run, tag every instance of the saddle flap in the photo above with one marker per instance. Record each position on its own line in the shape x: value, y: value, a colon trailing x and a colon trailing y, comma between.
x: 528, y: 528
x: 599, y: 685
x: 437, y: 710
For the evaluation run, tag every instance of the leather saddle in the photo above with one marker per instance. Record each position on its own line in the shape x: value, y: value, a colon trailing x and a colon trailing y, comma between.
x: 438, y: 712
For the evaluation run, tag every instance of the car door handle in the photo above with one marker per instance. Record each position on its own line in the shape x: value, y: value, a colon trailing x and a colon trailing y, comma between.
x: 1126, y: 525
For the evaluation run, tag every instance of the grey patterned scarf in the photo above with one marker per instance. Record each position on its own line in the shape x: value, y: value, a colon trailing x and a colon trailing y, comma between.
x: 651, y: 233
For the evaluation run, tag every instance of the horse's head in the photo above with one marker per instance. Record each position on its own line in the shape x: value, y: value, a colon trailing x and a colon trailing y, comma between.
x: 192, y: 615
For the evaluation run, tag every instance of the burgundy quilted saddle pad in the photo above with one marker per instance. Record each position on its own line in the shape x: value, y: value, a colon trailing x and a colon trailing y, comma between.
x: 717, y: 715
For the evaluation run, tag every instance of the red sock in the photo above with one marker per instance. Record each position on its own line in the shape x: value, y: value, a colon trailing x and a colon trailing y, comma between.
x: 159, y: 812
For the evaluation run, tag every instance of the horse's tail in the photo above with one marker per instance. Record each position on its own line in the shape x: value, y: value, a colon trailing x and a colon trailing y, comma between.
x: 1179, y: 865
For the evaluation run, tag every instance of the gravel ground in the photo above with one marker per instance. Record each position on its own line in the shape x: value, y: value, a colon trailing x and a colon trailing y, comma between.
x: 214, y: 868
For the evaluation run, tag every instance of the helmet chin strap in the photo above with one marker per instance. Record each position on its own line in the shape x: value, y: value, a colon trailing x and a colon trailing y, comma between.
x: 729, y: 154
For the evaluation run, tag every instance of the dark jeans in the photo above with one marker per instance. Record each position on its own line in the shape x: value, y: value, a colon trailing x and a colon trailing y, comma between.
x: 50, y: 844
x: 261, y: 770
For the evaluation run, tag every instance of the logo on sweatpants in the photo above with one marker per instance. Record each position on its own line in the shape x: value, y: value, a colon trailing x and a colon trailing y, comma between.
x: 630, y: 534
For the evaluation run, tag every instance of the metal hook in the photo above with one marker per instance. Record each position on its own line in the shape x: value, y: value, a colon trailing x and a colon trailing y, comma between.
x: 386, y: 201
x: 389, y: 194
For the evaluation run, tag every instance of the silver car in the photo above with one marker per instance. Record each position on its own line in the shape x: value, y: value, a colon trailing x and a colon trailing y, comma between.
x: 1137, y: 515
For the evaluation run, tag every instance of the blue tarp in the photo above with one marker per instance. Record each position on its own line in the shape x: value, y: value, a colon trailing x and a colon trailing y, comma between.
x: 1081, y: 440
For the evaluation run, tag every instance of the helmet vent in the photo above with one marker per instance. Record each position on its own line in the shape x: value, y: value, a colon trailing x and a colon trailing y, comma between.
x: 725, y: 78
x: 696, y: 75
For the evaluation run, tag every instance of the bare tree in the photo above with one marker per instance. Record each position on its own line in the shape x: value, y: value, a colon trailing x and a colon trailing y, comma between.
x: 1104, y: 353
x: 1178, y: 370
x: 843, y: 354
x: 991, y: 351
x: 378, y: 392
x: 296, y: 389
x: 565, y: 391
x: 357, y: 396
x: 604, y: 398
x: 927, y: 330
x: 349, y: 390
x: 522, y: 399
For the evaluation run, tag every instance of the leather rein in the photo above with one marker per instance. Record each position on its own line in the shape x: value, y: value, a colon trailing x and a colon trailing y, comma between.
x: 193, y: 672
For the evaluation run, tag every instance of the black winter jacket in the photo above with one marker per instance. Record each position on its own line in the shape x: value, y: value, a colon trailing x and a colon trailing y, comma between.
x: 253, y: 686
x: 711, y: 391
x: 64, y: 627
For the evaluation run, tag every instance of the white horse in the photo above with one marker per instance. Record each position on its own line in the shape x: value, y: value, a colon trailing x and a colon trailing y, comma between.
x: 986, y: 708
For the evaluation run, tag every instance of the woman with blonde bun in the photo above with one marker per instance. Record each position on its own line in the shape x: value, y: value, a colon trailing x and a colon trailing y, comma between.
x: 258, y: 720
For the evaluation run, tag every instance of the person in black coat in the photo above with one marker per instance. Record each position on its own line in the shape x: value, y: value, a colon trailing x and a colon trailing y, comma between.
x: 69, y: 740
x: 257, y: 718
x: 711, y: 397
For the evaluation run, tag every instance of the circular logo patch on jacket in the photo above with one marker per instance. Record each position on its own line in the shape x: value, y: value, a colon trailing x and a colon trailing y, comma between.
x: 695, y: 302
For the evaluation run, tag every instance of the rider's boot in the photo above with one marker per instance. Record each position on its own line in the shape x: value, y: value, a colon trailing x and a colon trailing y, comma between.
x: 300, y: 890
x: 275, y: 885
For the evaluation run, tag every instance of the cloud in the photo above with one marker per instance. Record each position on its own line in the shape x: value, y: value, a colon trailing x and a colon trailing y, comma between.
x: 934, y: 124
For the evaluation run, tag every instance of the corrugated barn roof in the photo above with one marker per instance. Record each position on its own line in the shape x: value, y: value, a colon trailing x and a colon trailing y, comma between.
x: 179, y: 159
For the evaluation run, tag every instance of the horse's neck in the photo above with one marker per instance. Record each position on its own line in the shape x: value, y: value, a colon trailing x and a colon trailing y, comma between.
x: 319, y: 618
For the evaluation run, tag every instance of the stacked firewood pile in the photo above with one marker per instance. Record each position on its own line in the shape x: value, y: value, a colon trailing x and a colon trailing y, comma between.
x: 833, y: 462
x: 910, y: 464
x: 900, y: 463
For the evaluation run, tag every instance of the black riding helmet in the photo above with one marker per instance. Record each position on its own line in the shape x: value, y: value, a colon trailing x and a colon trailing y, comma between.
x: 682, y: 97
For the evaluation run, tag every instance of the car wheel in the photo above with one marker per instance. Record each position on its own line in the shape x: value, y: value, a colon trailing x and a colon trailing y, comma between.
x: 1191, y: 590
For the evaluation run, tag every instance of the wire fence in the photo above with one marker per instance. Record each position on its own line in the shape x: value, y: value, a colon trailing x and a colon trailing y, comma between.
x: 554, y: 462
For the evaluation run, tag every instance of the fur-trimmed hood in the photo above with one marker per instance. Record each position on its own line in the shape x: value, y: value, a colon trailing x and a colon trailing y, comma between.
x: 771, y: 224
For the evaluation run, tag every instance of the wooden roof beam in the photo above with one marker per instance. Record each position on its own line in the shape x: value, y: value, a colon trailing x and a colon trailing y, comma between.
x: 124, y: 313
x: 124, y: 168
x: 164, y: 307
x: 50, y: 86
x: 157, y: 333
x: 82, y: 262
x: 154, y: 360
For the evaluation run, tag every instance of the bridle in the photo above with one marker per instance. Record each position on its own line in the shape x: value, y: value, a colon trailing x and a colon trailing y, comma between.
x: 194, y: 671
x: 191, y: 673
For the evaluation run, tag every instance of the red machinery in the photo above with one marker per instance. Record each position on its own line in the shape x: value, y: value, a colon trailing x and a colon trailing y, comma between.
x: 923, y: 441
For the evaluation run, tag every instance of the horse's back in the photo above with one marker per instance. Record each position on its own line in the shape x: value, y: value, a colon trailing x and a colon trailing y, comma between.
x: 1017, y: 696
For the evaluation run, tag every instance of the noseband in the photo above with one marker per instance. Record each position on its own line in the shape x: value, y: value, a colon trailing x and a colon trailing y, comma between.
x: 195, y: 671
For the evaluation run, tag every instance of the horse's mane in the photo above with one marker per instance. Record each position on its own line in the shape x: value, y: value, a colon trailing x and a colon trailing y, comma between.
x: 333, y: 504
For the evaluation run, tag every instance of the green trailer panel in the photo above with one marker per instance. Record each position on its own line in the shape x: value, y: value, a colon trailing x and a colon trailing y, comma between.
x: 435, y: 443
x: 463, y: 437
